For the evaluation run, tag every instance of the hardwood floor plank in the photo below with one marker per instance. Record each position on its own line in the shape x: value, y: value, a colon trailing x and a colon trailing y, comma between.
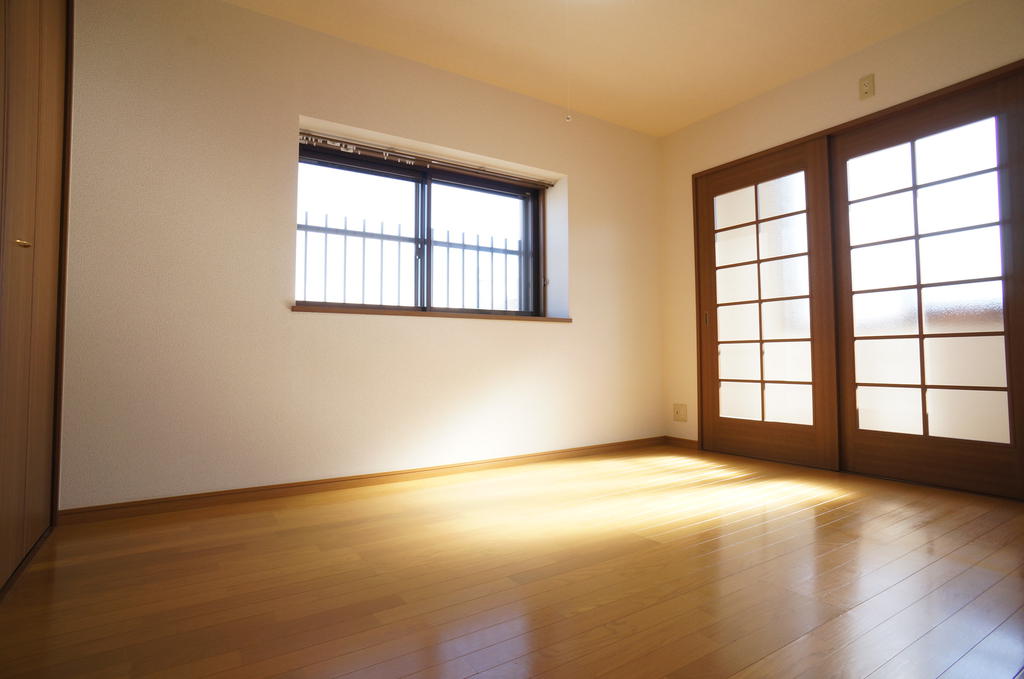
x: 645, y: 563
x: 1000, y: 654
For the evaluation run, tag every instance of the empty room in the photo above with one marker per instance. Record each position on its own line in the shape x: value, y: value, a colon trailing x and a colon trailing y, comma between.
x: 479, y: 338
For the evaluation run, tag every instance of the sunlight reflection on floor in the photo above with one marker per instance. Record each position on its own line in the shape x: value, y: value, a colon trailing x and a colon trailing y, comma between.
x: 646, y: 494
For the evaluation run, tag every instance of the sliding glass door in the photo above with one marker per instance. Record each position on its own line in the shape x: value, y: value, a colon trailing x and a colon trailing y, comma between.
x: 766, y: 308
x: 861, y: 295
x: 928, y: 233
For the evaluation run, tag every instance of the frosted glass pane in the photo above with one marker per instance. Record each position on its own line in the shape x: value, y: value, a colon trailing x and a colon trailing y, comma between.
x: 890, y: 361
x: 882, y: 218
x: 781, y: 196
x: 896, y: 409
x: 969, y: 307
x: 737, y: 283
x: 965, y: 414
x: 879, y: 172
x: 961, y: 256
x: 784, y: 278
x: 966, y: 361
x: 741, y: 400
x: 790, y: 319
x: 788, y: 403
x: 786, y: 236
x: 739, y: 361
x: 884, y: 266
x: 737, y: 322
x: 735, y: 207
x: 789, y: 361
x: 735, y: 246
x: 965, y: 149
x: 964, y: 202
x: 885, y: 313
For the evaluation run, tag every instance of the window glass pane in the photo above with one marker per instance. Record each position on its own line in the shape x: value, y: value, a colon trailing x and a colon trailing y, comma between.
x: 338, y: 198
x: 965, y: 361
x: 963, y: 202
x: 784, y: 278
x: 789, y: 319
x: 891, y: 361
x: 735, y: 246
x: 741, y: 400
x: 342, y: 265
x: 788, y: 403
x: 965, y: 149
x: 968, y: 307
x: 879, y: 172
x: 735, y: 207
x: 966, y: 414
x: 739, y: 361
x: 788, y: 361
x: 786, y: 236
x: 885, y: 313
x: 737, y: 283
x: 737, y: 322
x: 300, y: 265
x: 477, y: 239
x: 961, y: 256
x: 315, y: 269
x: 781, y: 196
x: 882, y: 218
x: 895, y: 409
x: 884, y: 266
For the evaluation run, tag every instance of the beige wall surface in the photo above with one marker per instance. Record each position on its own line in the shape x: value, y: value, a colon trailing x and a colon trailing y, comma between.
x: 186, y: 371
x: 966, y: 41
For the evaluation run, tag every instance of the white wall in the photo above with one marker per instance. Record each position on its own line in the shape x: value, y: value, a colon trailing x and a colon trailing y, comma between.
x: 186, y: 372
x: 969, y: 40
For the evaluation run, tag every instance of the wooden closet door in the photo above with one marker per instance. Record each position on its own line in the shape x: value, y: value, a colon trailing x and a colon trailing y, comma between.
x: 766, y: 308
x: 31, y: 176
x: 929, y: 216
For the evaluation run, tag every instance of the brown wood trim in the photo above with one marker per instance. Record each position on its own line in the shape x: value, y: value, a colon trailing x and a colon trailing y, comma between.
x: 679, y: 442
x: 121, y: 510
x: 978, y: 80
x: 328, y: 308
x: 62, y: 267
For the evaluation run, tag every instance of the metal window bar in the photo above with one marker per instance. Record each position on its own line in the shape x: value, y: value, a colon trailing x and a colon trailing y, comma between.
x: 345, y: 270
x: 326, y: 268
x: 380, y: 246
x: 305, y: 263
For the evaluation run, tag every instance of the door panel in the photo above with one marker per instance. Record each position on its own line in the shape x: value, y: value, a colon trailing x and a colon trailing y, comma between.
x: 31, y: 184
x: 21, y: 38
x: 767, y: 333
x: 926, y: 207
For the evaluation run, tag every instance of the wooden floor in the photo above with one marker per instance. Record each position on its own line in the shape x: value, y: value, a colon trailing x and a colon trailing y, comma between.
x: 654, y: 563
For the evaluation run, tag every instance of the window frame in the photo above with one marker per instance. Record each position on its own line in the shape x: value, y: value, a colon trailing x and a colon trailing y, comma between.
x: 425, y: 174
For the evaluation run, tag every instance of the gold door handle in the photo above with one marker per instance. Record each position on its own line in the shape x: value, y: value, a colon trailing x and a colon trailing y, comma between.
x: 22, y: 243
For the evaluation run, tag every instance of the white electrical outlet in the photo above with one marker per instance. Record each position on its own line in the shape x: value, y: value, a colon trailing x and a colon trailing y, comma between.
x: 679, y: 412
x: 866, y: 88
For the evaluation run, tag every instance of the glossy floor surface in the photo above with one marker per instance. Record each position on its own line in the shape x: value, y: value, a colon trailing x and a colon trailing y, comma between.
x: 657, y: 562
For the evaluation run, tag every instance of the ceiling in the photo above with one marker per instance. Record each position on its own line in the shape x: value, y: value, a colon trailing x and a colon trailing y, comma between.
x: 651, y: 65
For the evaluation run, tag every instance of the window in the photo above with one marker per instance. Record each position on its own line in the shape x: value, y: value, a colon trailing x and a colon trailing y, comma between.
x: 380, y: 230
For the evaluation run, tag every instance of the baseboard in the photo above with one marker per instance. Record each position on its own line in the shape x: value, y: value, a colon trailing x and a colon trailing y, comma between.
x: 123, y: 510
x: 682, y: 443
